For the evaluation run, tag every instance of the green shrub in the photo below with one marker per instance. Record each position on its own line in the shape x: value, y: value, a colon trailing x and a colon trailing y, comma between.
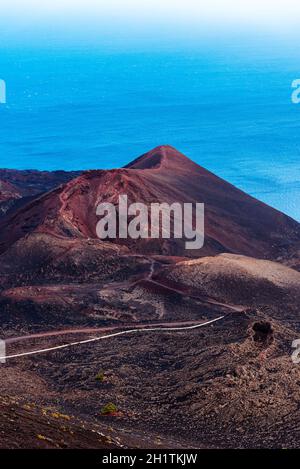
x: 100, y: 376
x: 109, y: 409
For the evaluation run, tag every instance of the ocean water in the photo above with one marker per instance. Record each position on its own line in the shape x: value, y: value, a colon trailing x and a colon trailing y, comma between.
x: 230, y: 112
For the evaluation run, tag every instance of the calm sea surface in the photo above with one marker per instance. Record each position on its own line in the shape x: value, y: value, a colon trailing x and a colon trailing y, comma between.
x: 87, y: 109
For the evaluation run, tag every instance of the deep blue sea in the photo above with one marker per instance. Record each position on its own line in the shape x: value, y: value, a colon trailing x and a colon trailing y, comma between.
x: 231, y: 113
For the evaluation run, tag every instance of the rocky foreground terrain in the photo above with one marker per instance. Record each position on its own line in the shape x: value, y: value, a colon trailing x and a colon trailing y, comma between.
x: 230, y: 383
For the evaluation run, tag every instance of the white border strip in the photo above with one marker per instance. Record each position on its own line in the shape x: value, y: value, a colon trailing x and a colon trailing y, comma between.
x: 95, y: 339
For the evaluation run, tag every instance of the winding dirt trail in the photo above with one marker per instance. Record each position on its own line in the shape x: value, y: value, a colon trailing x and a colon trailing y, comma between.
x: 92, y: 330
x: 143, y: 327
x: 115, y: 334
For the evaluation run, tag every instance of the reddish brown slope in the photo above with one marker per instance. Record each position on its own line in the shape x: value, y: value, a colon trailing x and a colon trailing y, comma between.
x: 235, y: 222
x: 18, y: 187
x: 9, y: 194
x: 235, y: 279
x: 30, y: 182
x: 8, y: 191
x: 234, y: 219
